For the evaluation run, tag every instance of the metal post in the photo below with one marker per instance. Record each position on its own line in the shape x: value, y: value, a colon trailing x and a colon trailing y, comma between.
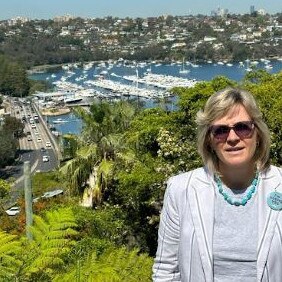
x: 28, y: 198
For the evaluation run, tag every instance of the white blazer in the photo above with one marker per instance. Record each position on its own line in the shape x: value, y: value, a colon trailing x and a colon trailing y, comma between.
x: 186, y: 229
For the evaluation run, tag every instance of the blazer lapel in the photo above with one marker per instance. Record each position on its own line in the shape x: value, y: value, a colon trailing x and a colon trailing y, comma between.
x: 201, y: 200
x: 267, y: 217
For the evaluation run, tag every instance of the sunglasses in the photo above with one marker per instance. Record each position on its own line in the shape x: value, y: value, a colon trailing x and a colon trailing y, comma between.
x: 243, y: 129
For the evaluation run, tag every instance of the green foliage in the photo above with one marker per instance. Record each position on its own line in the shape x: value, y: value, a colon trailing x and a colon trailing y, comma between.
x: 4, y: 188
x: 13, y: 126
x: 105, y: 118
x: 52, y: 240
x: 104, y: 176
x: 38, y: 86
x: 176, y: 153
x: 8, y: 148
x: 10, y: 130
x: 115, y: 265
x: 106, y: 222
x: 257, y: 76
x: 70, y: 145
x: 46, y: 181
x: 191, y: 100
x: 143, y: 132
x: 76, y: 171
x: 9, y: 259
x: 101, y: 140
x: 13, y: 78
x: 138, y: 192
x: 268, y: 93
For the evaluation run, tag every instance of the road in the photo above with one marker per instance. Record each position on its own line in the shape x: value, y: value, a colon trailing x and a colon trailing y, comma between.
x: 35, y: 144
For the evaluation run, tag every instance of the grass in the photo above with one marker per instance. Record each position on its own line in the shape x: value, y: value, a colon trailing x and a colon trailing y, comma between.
x: 46, y: 181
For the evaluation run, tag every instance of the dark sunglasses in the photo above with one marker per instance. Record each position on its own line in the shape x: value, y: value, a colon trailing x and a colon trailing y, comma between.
x: 243, y: 129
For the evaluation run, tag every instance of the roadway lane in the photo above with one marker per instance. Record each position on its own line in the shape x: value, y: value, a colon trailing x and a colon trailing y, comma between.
x: 34, y: 145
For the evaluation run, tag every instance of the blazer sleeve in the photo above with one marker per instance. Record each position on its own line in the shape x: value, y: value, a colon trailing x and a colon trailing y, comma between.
x: 166, y: 267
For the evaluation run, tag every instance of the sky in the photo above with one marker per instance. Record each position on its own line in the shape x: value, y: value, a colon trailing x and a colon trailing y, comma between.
x: 48, y: 9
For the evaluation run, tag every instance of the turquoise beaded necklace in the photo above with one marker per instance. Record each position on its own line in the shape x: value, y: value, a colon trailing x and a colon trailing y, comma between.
x: 237, y: 202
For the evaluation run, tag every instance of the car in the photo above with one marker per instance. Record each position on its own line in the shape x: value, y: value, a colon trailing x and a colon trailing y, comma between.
x: 13, y: 211
x: 45, y: 158
x: 29, y: 138
x: 33, y: 126
x: 48, y: 144
x: 39, y: 139
x: 42, y: 149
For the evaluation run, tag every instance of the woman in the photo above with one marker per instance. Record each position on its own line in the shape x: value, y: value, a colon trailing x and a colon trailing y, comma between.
x: 222, y: 222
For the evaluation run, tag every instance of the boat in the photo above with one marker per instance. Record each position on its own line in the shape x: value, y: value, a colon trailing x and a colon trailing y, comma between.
x: 183, y: 70
x: 59, y: 120
x: 268, y: 66
x: 71, y: 100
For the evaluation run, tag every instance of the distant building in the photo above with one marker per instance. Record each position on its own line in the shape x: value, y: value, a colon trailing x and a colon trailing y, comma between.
x: 252, y: 9
x: 64, y: 18
x: 261, y: 12
x: 17, y: 20
x: 219, y: 12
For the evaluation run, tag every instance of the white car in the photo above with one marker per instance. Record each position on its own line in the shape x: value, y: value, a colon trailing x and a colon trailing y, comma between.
x: 45, y: 159
x: 48, y: 144
x: 13, y: 211
x: 39, y: 139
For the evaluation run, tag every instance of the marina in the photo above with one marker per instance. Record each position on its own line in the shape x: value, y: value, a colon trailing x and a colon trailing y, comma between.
x: 146, y: 81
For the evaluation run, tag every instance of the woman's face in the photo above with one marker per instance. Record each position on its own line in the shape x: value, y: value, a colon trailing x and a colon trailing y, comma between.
x: 234, y: 151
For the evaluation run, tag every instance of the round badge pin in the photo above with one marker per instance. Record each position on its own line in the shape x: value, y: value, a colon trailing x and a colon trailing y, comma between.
x: 274, y: 201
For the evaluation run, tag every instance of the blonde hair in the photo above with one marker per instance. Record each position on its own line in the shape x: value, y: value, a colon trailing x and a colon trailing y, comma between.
x: 216, y: 107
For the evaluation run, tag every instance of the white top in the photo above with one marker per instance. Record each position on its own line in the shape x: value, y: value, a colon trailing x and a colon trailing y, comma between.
x: 235, y: 238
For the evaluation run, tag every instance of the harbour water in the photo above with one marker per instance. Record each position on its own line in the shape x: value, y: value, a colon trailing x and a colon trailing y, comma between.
x: 86, y: 77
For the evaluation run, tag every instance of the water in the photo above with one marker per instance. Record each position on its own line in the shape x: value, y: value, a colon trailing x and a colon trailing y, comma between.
x: 202, y: 72
x: 71, y: 124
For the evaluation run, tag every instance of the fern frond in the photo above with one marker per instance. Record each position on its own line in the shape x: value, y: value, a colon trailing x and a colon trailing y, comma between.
x: 53, y: 236
x: 9, y: 251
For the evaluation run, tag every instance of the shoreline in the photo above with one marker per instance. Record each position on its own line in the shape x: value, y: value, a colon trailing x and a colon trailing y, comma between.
x: 46, y: 68
x: 55, y: 111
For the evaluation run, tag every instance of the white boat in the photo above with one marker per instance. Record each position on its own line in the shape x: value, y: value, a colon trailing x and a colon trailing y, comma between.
x: 183, y: 70
x: 71, y: 100
x: 59, y: 120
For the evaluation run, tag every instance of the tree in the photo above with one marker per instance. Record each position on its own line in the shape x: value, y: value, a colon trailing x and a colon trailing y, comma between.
x: 13, y: 81
x: 8, y: 148
x: 13, y: 125
x: 101, y: 138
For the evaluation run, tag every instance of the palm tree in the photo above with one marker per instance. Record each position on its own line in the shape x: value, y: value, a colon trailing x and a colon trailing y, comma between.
x: 100, y: 144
